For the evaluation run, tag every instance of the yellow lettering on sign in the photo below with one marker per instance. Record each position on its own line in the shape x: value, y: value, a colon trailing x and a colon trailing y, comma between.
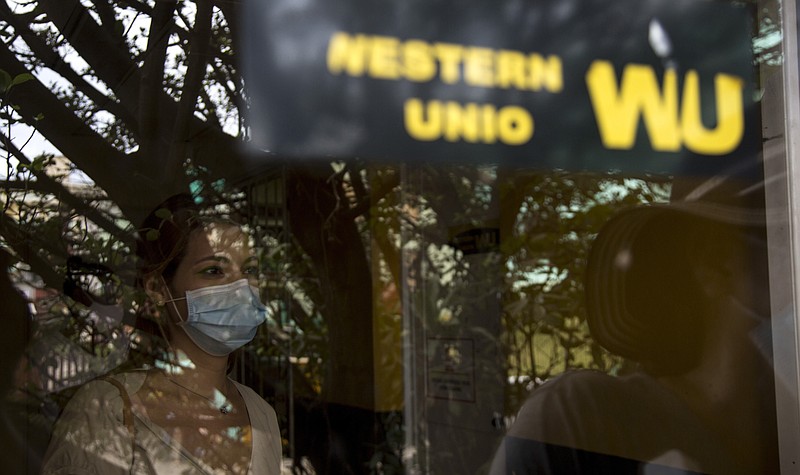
x: 461, y: 122
x: 672, y: 117
x: 618, y: 109
x: 418, y: 62
x: 487, y: 118
x: 545, y: 73
x: 383, y: 58
x: 511, y: 70
x: 479, y: 67
x: 449, y: 57
x: 423, y: 123
x: 514, y: 125
x: 730, y: 115
x: 347, y: 54
x: 389, y: 58
x: 473, y: 123
x: 528, y: 72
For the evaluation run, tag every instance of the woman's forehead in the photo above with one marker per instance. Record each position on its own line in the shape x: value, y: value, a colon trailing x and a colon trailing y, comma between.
x: 219, y: 237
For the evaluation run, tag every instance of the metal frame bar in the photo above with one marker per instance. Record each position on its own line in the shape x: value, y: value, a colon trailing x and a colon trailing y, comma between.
x: 781, y: 111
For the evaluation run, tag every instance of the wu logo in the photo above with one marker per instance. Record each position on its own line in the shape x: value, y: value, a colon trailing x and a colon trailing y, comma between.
x: 672, y: 117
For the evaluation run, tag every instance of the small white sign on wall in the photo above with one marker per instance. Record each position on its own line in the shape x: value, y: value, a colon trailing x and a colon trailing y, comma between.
x: 451, y: 369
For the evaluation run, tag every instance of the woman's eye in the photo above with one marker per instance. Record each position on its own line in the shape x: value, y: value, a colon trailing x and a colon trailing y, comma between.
x: 212, y: 270
x: 251, y: 271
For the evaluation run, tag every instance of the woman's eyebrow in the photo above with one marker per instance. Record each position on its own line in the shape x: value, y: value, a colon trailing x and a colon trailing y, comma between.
x: 223, y: 259
x: 212, y: 258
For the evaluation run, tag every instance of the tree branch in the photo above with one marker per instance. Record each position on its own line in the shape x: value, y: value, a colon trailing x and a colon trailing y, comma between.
x: 68, y: 133
x: 30, y: 252
x: 49, y: 58
x: 108, y: 56
x: 151, y: 120
x: 89, y: 150
x: 198, y: 52
x: 47, y: 185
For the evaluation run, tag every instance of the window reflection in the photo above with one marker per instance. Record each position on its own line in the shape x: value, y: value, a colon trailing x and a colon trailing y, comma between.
x: 681, y: 290
x: 411, y: 309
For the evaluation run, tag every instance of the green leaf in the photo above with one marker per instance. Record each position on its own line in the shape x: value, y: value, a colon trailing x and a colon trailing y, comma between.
x: 5, y: 81
x: 152, y: 235
x: 21, y: 78
x: 39, y: 163
x: 163, y: 213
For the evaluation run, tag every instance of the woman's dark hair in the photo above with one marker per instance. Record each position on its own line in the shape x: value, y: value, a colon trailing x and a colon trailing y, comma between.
x: 161, y: 243
x: 164, y: 235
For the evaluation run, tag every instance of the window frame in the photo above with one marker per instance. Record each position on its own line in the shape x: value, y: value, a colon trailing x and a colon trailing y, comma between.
x: 783, y: 195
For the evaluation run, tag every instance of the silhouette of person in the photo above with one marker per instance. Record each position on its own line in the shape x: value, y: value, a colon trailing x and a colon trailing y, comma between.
x: 681, y: 289
x: 18, y: 437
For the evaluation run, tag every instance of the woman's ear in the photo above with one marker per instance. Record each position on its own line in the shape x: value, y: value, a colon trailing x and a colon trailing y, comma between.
x: 154, y: 288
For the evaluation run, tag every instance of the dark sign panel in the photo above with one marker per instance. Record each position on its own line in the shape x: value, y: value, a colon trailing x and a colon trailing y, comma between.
x: 476, y: 240
x: 634, y: 85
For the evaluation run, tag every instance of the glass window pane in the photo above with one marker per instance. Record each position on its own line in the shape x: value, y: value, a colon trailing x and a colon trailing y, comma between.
x: 345, y: 236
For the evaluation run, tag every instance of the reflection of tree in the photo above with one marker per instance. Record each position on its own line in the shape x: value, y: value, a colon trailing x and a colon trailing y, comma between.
x: 546, y: 224
x: 149, y: 101
x: 547, y: 244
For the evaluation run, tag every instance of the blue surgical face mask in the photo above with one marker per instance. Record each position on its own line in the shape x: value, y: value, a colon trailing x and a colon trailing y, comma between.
x: 222, y: 318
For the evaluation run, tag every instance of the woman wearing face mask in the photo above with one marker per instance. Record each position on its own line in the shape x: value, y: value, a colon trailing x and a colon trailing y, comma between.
x: 183, y: 415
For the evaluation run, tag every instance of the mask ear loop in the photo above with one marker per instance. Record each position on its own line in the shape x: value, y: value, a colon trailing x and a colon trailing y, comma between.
x: 173, y: 355
x: 171, y: 300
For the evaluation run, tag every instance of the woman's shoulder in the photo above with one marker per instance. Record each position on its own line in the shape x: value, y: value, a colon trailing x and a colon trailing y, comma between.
x: 131, y: 380
x: 253, y: 400
x: 573, y: 399
x: 109, y: 386
x: 262, y: 414
x: 91, y: 435
x: 267, y: 437
x: 571, y: 384
x: 248, y: 393
x: 107, y: 389
x: 587, y: 385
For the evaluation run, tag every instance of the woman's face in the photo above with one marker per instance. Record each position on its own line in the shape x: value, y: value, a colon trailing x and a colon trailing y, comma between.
x: 217, y: 254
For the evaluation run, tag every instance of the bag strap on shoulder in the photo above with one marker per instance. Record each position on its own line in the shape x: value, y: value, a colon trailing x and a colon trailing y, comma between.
x: 127, y: 413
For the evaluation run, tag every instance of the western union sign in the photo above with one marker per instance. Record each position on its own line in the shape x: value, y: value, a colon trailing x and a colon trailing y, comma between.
x: 635, y: 85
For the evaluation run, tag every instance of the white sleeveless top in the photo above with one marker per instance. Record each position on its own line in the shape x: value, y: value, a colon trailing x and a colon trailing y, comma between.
x: 90, y: 436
